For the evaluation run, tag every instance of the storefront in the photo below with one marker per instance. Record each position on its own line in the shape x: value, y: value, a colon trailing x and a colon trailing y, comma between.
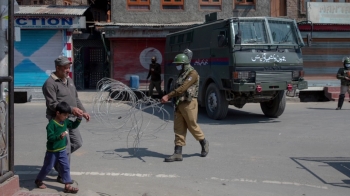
x: 45, y: 34
x: 132, y: 47
x: 132, y: 56
x: 330, y: 42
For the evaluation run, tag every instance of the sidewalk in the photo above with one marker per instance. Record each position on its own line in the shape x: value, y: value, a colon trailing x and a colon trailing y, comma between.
x: 53, y: 188
x: 41, y: 193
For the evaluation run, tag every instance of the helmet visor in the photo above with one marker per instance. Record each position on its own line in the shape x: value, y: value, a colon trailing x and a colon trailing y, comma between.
x: 347, y: 65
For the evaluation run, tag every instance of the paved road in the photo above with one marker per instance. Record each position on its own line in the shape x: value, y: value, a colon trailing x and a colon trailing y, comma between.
x: 304, y: 152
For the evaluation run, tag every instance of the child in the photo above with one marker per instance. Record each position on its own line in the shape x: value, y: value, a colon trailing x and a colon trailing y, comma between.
x: 56, y: 147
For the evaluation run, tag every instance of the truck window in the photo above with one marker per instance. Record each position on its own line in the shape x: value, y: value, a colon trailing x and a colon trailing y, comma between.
x: 172, y: 40
x: 180, y: 38
x: 282, y: 32
x: 189, y: 36
x: 253, y: 32
x: 222, y: 39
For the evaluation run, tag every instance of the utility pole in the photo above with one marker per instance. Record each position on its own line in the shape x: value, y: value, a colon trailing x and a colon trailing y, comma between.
x: 7, y: 166
x: 3, y: 45
x: 10, y: 80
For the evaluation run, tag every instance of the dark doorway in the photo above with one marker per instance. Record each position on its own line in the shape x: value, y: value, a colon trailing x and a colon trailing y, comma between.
x: 95, y: 67
x: 90, y: 63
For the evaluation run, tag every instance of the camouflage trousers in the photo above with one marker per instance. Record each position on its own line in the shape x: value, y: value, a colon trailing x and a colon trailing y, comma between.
x: 185, y: 118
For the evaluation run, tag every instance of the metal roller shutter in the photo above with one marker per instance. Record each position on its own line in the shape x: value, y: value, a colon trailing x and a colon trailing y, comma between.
x: 35, y: 55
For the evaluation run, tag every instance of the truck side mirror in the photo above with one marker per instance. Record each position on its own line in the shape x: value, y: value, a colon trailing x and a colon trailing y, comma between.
x: 309, y: 39
x: 222, y: 41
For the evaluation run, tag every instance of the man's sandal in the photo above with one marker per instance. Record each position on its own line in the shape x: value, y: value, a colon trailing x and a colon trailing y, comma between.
x: 40, y: 184
x: 70, y: 189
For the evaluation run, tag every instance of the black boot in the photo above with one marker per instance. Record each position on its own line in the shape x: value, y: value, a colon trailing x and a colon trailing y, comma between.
x: 177, y: 156
x: 340, y: 101
x: 205, y: 147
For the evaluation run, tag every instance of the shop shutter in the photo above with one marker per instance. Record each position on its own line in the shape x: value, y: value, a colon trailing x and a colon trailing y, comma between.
x: 34, y: 56
x: 323, y: 59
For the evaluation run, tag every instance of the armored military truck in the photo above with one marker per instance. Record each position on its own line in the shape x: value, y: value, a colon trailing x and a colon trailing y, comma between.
x: 241, y: 60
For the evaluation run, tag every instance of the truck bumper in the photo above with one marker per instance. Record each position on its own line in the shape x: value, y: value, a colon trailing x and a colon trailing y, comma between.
x: 275, y: 86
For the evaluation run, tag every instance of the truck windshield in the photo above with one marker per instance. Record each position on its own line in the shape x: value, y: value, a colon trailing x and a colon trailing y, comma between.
x: 252, y: 32
x: 283, y: 32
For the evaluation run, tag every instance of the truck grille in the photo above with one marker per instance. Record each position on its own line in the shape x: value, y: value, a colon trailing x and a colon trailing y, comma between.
x: 273, y: 76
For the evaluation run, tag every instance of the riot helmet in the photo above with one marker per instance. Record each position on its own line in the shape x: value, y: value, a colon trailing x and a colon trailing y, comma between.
x: 346, y: 62
x: 188, y: 53
x: 181, y: 59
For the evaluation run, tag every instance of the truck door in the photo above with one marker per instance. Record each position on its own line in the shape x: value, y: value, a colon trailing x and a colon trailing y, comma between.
x: 219, y: 53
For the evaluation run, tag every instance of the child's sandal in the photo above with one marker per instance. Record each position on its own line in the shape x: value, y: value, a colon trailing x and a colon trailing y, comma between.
x: 70, y: 189
x: 40, y: 184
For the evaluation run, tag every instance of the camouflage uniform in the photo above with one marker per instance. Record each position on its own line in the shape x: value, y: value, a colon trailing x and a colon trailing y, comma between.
x: 186, y: 109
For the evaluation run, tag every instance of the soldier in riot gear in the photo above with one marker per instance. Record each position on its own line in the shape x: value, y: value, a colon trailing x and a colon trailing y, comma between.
x: 154, y: 72
x: 186, y: 107
x: 344, y: 76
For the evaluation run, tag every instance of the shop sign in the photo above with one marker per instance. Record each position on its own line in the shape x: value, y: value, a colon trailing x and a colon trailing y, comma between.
x: 32, y: 22
x: 328, y: 12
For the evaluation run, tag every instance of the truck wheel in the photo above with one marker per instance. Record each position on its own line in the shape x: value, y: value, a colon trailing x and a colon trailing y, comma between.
x: 215, y: 102
x: 275, y: 107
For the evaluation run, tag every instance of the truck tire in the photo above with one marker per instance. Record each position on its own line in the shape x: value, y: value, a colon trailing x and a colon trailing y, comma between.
x: 215, y: 102
x: 275, y: 107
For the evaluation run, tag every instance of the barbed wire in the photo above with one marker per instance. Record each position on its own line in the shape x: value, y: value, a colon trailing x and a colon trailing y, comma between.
x: 128, y: 111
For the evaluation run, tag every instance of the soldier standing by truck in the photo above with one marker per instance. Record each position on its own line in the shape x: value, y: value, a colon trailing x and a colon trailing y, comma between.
x: 186, y: 108
x: 344, y: 76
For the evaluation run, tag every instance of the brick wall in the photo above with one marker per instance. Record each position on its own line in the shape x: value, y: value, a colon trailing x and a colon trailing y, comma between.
x: 294, y: 10
x: 191, y: 12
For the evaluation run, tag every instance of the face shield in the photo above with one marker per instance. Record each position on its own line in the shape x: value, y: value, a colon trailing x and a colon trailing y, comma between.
x: 347, y: 65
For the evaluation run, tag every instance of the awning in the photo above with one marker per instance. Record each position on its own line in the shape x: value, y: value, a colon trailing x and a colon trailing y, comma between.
x: 51, y: 10
x: 181, y: 24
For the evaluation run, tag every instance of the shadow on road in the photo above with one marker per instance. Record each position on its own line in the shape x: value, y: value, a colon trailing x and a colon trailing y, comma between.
x: 235, y: 117
x: 341, y: 164
x: 324, y: 108
x: 139, y: 153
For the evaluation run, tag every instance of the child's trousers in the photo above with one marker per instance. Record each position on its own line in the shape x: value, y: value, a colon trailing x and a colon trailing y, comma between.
x: 50, y: 159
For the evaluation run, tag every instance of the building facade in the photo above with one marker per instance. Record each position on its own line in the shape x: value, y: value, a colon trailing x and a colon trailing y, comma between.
x: 54, y: 27
x: 121, y: 36
x: 45, y: 33
x: 138, y: 28
x: 327, y: 21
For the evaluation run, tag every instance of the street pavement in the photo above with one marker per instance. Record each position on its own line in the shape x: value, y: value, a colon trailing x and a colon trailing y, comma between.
x: 304, y: 152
